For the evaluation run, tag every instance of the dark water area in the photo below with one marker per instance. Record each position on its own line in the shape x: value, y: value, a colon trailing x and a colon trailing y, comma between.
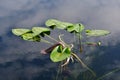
x: 22, y: 60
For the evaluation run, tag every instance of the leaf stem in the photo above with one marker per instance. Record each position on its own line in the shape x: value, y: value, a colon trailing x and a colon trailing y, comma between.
x: 80, y: 42
x: 59, y: 71
x: 51, y: 38
x: 62, y: 41
x: 45, y: 41
x: 109, y: 73
x: 83, y: 64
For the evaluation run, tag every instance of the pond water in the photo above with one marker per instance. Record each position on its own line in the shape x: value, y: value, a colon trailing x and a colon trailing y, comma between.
x: 21, y: 60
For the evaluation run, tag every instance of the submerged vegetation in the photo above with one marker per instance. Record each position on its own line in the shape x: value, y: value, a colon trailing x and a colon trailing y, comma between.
x: 60, y: 51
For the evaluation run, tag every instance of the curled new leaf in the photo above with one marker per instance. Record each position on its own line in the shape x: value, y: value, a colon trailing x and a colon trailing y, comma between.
x: 60, y: 54
x: 97, y: 32
x: 50, y: 49
x: 75, y: 28
x: 58, y: 24
x: 20, y: 32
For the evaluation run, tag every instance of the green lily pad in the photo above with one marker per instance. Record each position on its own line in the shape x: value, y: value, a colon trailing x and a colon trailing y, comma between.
x: 20, y: 32
x: 60, y: 54
x: 58, y: 24
x: 97, y: 32
x: 75, y: 28
x: 40, y: 31
x: 30, y: 37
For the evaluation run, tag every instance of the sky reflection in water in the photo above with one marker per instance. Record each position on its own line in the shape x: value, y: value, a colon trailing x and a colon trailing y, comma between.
x: 21, y: 60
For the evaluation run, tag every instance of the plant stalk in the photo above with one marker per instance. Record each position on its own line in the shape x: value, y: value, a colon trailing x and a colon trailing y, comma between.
x: 83, y: 64
x: 109, y: 73
x: 51, y: 38
x: 45, y: 41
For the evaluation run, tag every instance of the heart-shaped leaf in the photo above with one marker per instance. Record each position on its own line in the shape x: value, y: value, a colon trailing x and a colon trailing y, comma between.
x: 19, y: 32
x: 40, y: 31
x: 58, y: 24
x: 30, y: 37
x: 75, y: 28
x: 97, y: 32
x: 60, y: 54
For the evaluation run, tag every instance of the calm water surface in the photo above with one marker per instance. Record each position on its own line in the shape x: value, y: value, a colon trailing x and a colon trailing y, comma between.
x: 21, y: 60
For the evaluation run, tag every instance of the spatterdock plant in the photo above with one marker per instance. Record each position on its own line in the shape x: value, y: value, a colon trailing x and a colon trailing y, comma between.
x: 60, y: 51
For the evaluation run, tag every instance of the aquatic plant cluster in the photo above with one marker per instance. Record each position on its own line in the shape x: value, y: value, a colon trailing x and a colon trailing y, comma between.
x: 60, y: 51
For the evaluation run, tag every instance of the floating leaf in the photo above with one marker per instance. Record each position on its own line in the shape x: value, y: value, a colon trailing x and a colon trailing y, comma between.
x: 60, y: 54
x: 93, y: 43
x: 19, y: 32
x: 40, y: 31
x: 97, y: 32
x: 58, y: 24
x: 30, y: 37
x: 75, y: 28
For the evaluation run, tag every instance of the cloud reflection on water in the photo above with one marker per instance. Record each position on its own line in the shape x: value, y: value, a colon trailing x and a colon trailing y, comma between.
x: 96, y: 14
